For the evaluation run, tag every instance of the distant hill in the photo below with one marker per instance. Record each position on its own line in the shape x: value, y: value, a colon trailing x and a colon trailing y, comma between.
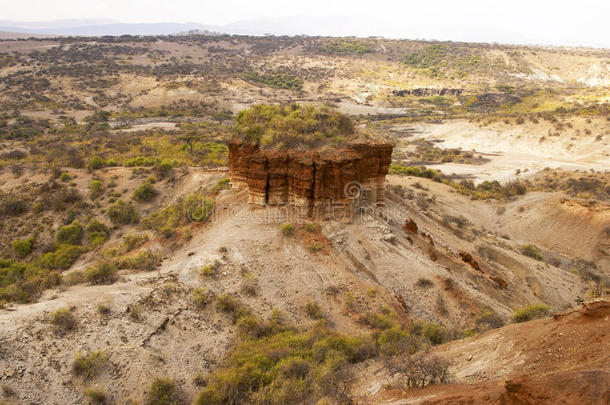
x: 97, y: 27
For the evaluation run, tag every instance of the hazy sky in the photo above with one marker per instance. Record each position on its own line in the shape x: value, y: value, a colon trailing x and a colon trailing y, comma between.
x: 561, y: 22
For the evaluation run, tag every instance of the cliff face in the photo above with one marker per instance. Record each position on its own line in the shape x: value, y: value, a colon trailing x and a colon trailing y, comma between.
x: 312, y: 181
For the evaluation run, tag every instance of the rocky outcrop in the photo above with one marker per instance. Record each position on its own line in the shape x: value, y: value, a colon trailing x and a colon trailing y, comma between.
x: 427, y: 92
x: 314, y: 181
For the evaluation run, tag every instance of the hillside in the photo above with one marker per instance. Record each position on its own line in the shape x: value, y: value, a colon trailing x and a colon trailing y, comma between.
x: 151, y: 249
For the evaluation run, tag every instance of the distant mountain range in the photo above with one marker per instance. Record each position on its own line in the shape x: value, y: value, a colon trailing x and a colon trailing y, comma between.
x: 97, y: 27
x: 294, y: 25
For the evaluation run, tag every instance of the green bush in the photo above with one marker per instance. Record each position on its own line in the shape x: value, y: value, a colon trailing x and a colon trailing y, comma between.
x: 95, y: 163
x: 89, y: 365
x: 201, y: 298
x: 314, y: 311
x: 529, y: 312
x: 64, y: 177
x: 162, y: 391
x: 69, y: 234
x: 101, y: 273
x: 142, y: 161
x: 96, y: 396
x: 346, y: 47
x: 144, y: 193
x: 283, y: 126
x: 415, y: 171
x: 97, y: 233
x: 147, y: 260
x: 62, y: 258
x: 96, y: 188
x: 164, y: 168
x: 123, y: 213
x: 231, y: 305
x: 63, y: 320
x: 285, y: 365
x: 23, y: 247
x: 531, y: 251
x: 287, y: 228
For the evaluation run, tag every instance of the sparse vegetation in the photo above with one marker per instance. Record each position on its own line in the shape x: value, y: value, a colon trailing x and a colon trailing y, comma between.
x: 63, y: 320
x: 532, y: 251
x: 101, y: 273
x: 89, y: 365
x: 287, y: 229
x: 529, y: 312
x: 145, y: 193
x: 23, y: 247
x: 162, y: 391
x: 123, y: 213
x: 276, y: 126
x: 95, y: 395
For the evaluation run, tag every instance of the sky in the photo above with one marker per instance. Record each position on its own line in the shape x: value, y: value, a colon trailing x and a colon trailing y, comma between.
x: 545, y: 22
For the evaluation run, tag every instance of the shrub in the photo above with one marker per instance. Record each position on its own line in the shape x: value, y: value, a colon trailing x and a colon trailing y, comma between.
x: 209, y: 270
x: 64, y: 177
x: 164, y: 168
x: 314, y: 247
x: 394, y: 341
x: 123, y: 213
x: 145, y: 161
x: 96, y: 396
x: 96, y: 188
x: 531, y: 251
x: 380, y: 321
x: 287, y: 228
x: 489, y: 320
x: 422, y: 370
x: 132, y: 241
x: 23, y: 247
x: 101, y: 273
x: 89, y: 365
x: 283, y: 365
x: 104, y: 309
x: 62, y: 258
x: 63, y: 320
x: 314, y: 311
x: 144, y: 193
x: 69, y: 234
x: 201, y: 298
x: 13, y: 207
x: 310, y: 227
x: 95, y: 163
x: 249, y: 286
x: 424, y: 283
x: 529, y: 312
x: 231, y: 305
x: 222, y: 184
x: 97, y: 233
x: 147, y: 260
x: 162, y: 391
x: 277, y: 80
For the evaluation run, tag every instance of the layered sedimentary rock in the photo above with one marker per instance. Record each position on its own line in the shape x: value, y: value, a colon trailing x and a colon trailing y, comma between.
x: 427, y: 92
x: 314, y: 181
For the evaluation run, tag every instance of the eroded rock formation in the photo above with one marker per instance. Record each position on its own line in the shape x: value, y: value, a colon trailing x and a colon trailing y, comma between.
x: 427, y: 92
x: 313, y: 181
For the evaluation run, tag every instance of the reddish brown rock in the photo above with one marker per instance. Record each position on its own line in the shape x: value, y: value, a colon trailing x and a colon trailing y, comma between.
x: 410, y: 225
x: 467, y: 258
x: 316, y: 180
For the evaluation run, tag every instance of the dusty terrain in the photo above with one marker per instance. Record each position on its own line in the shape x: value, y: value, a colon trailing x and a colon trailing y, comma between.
x: 159, y: 112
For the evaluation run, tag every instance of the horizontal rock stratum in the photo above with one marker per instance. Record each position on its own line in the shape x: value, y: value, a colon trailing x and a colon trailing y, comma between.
x: 313, y: 181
